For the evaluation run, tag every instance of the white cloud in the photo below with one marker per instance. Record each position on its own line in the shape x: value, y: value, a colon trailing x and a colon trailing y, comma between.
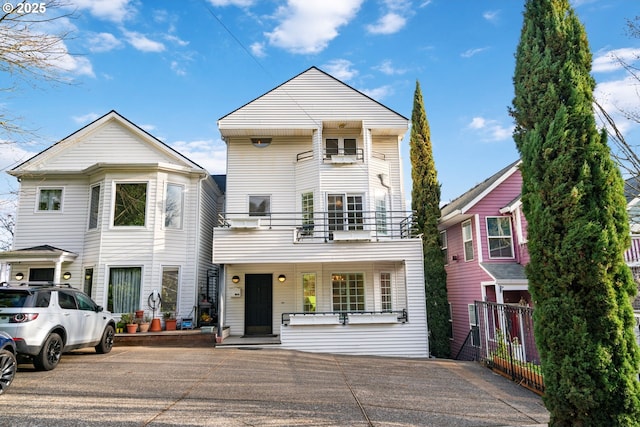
x: 490, y: 130
x: 210, y: 154
x: 617, y: 97
x: 387, y: 68
x: 176, y: 40
x: 610, y: 60
x: 491, y: 15
x: 86, y: 118
x: 378, y: 93
x: 307, y: 26
x: 471, y: 52
x: 341, y: 69
x: 388, y: 24
x: 110, y: 10
x: 103, y: 42
x: 177, y: 68
x: 257, y: 50
x: 239, y: 3
x: 142, y: 42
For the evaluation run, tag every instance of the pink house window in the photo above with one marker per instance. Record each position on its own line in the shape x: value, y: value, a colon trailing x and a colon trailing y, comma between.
x: 499, y: 237
x: 467, y: 240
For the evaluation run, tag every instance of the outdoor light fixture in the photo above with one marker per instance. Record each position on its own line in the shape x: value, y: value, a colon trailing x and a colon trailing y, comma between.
x: 282, y: 278
x: 19, y: 276
x: 261, y: 142
x: 66, y: 275
x: 235, y: 279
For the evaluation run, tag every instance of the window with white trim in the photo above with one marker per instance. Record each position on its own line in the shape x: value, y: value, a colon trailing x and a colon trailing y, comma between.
x: 307, y: 214
x: 381, y: 215
x: 130, y: 205
x: 444, y: 246
x: 49, y: 199
x: 173, y: 208
x: 259, y: 205
x: 345, y: 212
x: 169, y: 293
x: 347, y: 291
x: 340, y: 146
x: 94, y: 206
x: 385, y: 291
x: 309, y: 304
x: 499, y: 237
x: 467, y: 240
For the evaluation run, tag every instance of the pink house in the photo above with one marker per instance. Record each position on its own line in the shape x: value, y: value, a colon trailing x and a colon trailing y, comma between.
x: 483, y: 235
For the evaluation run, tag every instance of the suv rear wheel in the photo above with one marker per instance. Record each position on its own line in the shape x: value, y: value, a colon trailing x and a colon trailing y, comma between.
x: 106, y: 342
x: 50, y: 353
x: 8, y: 368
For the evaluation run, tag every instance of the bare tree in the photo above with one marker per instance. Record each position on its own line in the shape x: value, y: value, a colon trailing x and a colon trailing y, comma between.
x: 32, y: 50
x: 625, y: 153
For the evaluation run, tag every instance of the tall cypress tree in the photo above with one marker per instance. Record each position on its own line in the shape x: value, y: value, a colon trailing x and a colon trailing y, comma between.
x: 425, y: 199
x: 578, y: 230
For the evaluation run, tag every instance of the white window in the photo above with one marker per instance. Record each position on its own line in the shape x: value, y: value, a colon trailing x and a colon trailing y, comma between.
x: 309, y: 305
x: 49, y: 199
x: 347, y: 291
x: 94, y: 206
x: 385, y: 291
x: 381, y: 215
x: 169, y: 293
x: 340, y: 146
x: 307, y: 214
x: 467, y: 239
x: 173, y: 208
x: 259, y: 205
x: 130, y: 206
x: 124, y: 289
x: 345, y: 212
x: 444, y: 246
x: 499, y: 237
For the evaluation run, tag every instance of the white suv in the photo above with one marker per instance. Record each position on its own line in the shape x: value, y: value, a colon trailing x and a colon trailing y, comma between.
x: 47, y: 320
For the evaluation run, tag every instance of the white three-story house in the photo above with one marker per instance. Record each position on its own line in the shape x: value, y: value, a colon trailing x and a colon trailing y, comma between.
x: 316, y: 245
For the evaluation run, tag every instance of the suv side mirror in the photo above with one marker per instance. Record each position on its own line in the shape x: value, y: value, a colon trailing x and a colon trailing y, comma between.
x: 99, y: 308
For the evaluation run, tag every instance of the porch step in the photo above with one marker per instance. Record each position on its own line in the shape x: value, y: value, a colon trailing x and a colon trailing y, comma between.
x: 186, y: 338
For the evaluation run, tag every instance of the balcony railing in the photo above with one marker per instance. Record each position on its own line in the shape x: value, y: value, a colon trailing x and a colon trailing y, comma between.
x: 345, y: 317
x: 340, y: 154
x: 329, y: 226
x: 632, y: 255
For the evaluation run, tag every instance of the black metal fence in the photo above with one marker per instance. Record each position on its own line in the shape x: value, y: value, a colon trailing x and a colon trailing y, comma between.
x: 506, y: 343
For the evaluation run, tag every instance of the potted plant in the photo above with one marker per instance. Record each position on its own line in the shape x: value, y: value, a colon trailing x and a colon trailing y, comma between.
x: 144, y: 323
x: 169, y: 321
x: 127, y: 319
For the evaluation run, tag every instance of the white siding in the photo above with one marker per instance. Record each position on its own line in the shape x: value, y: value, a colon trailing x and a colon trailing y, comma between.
x: 305, y: 101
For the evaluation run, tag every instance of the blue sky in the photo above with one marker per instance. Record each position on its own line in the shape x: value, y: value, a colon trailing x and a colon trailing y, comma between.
x: 175, y: 67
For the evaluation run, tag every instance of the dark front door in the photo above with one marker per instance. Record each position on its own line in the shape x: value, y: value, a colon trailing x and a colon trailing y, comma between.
x: 258, y: 318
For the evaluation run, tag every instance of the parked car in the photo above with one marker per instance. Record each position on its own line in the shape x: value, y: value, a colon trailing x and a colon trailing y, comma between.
x: 48, y: 320
x: 8, y: 363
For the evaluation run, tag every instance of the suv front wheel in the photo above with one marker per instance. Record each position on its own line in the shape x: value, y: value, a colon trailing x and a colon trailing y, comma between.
x: 8, y: 368
x: 50, y: 353
x: 106, y: 342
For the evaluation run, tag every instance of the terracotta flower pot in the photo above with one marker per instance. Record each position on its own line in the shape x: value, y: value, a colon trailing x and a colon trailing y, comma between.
x: 170, y: 324
x: 132, y: 328
x: 144, y: 327
x: 156, y: 326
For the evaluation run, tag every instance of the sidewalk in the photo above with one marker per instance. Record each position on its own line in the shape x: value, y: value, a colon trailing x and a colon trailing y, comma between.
x: 227, y: 386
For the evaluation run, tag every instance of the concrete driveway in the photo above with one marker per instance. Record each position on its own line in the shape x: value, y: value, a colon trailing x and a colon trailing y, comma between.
x: 251, y: 386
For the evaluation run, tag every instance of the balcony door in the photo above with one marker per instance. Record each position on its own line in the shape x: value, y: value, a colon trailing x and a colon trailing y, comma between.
x: 258, y: 304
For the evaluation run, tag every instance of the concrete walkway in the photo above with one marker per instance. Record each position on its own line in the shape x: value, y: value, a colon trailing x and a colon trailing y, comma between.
x: 256, y: 386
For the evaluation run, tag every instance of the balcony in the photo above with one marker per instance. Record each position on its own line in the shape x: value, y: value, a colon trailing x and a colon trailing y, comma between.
x: 324, y: 227
x: 344, y: 318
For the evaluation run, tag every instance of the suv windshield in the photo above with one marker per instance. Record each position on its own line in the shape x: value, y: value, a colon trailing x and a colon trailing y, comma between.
x: 19, y: 298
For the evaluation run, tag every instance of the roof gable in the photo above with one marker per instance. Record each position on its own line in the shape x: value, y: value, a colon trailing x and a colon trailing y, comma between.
x: 104, y: 141
x: 469, y: 199
x: 305, y: 102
